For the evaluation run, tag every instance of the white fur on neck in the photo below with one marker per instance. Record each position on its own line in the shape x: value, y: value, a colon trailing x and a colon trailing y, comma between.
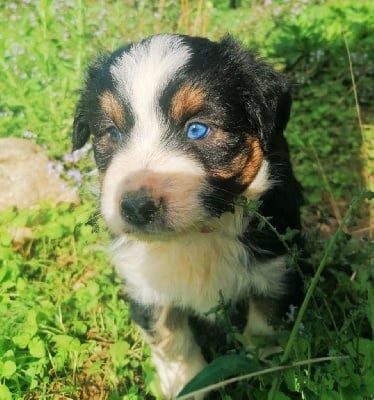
x: 193, y: 270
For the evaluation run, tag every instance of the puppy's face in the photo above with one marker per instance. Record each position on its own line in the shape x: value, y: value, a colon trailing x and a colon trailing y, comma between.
x: 181, y: 127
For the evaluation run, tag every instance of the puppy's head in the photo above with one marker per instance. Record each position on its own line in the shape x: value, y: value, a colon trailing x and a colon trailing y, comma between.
x: 181, y: 126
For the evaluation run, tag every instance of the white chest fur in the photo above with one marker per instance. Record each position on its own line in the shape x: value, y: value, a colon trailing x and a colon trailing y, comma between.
x: 192, y: 271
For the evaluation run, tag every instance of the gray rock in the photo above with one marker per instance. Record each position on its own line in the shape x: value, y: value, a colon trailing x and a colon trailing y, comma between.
x: 26, y: 177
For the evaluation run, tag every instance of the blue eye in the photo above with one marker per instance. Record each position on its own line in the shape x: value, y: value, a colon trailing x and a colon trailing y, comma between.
x: 196, y: 131
x: 115, y: 134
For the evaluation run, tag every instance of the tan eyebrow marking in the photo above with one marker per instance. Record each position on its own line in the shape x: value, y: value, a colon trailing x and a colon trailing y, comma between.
x: 112, y: 108
x: 187, y: 100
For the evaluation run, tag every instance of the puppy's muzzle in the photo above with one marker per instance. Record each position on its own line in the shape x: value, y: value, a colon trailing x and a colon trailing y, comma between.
x: 138, y: 208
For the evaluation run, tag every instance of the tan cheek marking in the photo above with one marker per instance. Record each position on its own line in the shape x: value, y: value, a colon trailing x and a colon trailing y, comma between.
x: 187, y: 101
x: 244, y: 165
x: 112, y: 108
x: 237, y: 165
x: 254, y: 164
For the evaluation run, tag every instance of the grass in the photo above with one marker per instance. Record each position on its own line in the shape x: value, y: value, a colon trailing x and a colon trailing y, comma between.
x: 65, y: 331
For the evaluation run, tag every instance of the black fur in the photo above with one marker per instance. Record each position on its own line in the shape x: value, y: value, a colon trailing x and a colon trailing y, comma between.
x: 245, y: 99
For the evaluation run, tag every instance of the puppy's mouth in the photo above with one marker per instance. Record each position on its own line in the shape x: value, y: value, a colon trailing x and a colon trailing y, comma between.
x: 163, y: 234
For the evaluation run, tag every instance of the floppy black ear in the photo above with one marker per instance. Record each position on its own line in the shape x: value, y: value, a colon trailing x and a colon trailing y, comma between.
x: 81, y: 131
x: 267, y: 95
x: 283, y: 110
x: 276, y: 116
x: 271, y: 107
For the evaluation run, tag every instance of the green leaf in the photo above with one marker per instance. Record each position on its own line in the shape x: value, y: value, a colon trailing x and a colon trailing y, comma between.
x: 36, y: 348
x: 220, y: 369
x: 67, y: 343
x: 118, y: 352
x: 55, y: 231
x: 22, y: 340
x: 5, y: 393
x: 8, y: 369
x: 79, y: 327
x: 96, y: 368
x: 31, y: 325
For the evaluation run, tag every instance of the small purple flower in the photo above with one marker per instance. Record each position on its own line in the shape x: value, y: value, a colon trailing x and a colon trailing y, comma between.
x: 55, y: 169
x: 76, y: 155
x: 85, y: 149
x: 59, y: 168
x: 75, y: 175
x: 69, y: 157
x: 50, y: 168
x: 29, y: 135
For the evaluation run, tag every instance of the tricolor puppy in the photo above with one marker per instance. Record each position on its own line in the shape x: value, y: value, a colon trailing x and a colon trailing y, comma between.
x: 182, y: 128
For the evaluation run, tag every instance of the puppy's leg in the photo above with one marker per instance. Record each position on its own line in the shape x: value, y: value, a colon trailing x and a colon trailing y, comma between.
x: 257, y: 322
x: 263, y: 318
x: 175, y: 354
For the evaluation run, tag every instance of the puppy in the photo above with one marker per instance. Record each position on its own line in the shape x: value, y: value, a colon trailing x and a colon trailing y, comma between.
x: 183, y: 130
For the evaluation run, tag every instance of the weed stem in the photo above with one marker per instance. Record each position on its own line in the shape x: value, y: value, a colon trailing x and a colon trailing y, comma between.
x: 309, y: 293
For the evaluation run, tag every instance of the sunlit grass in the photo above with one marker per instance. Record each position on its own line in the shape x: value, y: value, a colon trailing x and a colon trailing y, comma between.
x: 65, y: 331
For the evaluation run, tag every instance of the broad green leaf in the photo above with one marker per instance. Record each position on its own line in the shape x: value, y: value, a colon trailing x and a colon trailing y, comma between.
x: 8, y: 369
x: 55, y: 230
x: 67, y: 343
x: 21, y: 284
x: 36, y: 348
x: 96, y: 367
x: 22, y: 340
x: 5, y: 393
x: 80, y: 327
x: 118, y: 352
x: 220, y: 369
x: 31, y: 326
x: 362, y: 346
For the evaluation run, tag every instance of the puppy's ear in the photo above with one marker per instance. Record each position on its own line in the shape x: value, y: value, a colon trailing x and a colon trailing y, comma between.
x: 81, y: 131
x: 267, y: 95
x: 275, y: 109
x: 94, y: 75
x: 283, y: 109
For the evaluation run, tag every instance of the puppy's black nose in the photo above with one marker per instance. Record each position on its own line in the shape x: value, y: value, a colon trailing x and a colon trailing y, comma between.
x: 138, y: 209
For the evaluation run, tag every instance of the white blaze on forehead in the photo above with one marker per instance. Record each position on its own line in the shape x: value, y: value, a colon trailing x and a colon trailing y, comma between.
x: 143, y: 71
x: 140, y: 75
